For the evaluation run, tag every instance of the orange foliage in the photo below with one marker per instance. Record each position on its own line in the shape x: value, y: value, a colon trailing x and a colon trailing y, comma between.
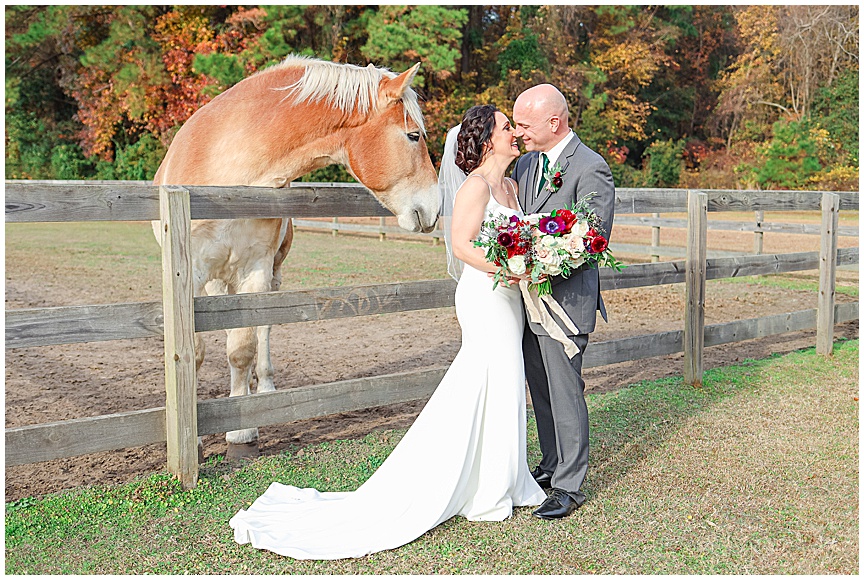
x: 181, y: 39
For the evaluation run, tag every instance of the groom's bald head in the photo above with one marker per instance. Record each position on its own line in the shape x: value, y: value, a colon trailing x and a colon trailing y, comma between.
x: 545, y: 99
x: 541, y: 117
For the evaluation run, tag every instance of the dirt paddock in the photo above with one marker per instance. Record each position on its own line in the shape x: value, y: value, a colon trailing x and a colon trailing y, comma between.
x: 62, y: 382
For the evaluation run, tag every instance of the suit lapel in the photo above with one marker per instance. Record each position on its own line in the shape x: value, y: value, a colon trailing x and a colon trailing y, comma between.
x: 564, y: 160
x: 526, y: 190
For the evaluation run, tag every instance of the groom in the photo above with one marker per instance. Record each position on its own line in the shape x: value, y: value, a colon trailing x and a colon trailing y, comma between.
x: 555, y: 380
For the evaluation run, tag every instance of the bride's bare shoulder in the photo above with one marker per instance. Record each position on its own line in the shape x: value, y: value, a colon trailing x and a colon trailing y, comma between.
x: 474, y: 193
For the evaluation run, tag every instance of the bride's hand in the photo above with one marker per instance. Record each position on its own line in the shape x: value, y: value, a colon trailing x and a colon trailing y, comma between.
x: 527, y: 278
x: 514, y: 279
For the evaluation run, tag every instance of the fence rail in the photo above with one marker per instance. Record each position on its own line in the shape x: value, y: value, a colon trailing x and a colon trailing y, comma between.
x: 184, y: 418
x: 45, y: 442
x: 46, y: 201
x: 75, y: 324
x: 638, y: 221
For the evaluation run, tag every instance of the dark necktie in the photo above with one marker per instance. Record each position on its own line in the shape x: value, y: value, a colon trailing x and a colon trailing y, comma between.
x: 543, y: 170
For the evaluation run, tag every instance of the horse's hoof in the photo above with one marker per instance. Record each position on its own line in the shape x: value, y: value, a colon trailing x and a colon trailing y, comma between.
x: 242, y: 450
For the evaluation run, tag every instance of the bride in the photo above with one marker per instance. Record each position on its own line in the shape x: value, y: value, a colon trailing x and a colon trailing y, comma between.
x: 466, y: 452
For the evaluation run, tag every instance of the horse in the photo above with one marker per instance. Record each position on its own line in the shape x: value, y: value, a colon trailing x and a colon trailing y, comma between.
x: 269, y: 129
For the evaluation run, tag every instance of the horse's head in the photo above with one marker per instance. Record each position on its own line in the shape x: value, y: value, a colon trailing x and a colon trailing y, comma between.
x: 388, y: 154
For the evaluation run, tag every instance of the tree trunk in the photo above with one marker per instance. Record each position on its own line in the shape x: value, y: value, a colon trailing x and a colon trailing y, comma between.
x: 472, y: 28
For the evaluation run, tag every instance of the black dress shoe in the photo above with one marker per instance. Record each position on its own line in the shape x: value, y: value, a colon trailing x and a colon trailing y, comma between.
x: 558, y: 505
x: 544, y: 480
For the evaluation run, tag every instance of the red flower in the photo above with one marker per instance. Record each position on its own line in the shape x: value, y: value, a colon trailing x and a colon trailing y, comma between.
x: 557, y: 180
x: 505, y: 239
x: 569, y: 218
x: 566, y: 214
x: 518, y: 248
x: 598, y: 244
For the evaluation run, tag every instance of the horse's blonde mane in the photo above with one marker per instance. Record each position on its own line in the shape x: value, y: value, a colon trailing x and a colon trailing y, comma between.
x: 346, y: 87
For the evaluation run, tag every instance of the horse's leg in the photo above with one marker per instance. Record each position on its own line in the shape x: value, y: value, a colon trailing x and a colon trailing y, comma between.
x: 241, y: 347
x: 199, y: 289
x: 264, y: 368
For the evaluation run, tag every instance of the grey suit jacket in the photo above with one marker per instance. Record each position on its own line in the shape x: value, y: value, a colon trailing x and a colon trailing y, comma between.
x: 584, y: 171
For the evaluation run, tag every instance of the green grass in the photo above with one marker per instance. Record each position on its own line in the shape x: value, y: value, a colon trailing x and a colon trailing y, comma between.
x: 755, y: 472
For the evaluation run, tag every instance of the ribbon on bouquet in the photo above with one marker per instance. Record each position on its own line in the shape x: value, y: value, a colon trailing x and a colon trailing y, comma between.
x: 537, y: 313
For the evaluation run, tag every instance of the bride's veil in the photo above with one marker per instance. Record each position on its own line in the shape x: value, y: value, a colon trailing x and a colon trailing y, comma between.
x: 450, y: 179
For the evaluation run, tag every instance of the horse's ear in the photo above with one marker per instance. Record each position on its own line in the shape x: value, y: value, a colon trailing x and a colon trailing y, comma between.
x: 392, y: 89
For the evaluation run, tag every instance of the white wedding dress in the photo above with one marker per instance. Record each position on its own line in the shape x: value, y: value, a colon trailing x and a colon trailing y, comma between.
x: 464, y: 455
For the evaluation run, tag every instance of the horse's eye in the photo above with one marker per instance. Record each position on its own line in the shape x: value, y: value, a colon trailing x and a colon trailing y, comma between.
x: 415, y: 136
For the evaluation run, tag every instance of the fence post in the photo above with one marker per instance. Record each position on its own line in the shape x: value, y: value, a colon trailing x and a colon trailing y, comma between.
x: 381, y: 234
x: 335, y: 229
x: 181, y: 416
x: 655, y: 240
x: 695, y: 279
x: 827, y: 273
x: 758, y: 236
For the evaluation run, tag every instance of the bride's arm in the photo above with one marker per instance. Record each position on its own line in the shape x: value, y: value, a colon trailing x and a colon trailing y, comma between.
x: 469, y: 210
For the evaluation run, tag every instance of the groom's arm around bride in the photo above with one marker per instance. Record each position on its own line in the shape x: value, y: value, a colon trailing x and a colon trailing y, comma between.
x: 558, y: 171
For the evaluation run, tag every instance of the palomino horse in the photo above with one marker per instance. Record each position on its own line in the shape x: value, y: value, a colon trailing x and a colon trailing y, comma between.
x: 269, y: 129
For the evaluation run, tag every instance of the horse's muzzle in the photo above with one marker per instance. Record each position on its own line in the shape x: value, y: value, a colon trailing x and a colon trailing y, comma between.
x: 420, y: 212
x: 415, y: 222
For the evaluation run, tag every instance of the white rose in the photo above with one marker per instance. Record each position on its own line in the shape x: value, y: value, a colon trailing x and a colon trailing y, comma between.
x: 574, y: 244
x: 549, y: 241
x: 576, y: 260
x: 580, y: 229
x: 551, y: 269
x: 550, y: 259
x: 516, y: 264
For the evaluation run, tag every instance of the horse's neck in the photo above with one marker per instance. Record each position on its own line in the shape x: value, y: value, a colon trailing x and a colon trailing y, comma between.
x: 254, y: 134
x: 304, y: 159
x: 314, y: 135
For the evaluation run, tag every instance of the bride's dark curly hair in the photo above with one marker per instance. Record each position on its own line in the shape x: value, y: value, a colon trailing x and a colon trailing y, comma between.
x: 477, y: 126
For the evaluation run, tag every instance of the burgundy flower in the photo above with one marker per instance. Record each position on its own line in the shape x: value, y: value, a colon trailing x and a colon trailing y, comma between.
x: 598, y: 244
x: 514, y: 219
x: 557, y: 180
x: 505, y: 239
x: 551, y: 225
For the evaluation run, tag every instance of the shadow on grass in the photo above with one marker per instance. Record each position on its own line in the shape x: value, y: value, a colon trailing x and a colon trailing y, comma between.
x: 630, y: 424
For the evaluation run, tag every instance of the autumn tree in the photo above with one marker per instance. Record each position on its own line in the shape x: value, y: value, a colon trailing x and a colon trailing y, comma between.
x: 788, y: 51
x: 98, y: 91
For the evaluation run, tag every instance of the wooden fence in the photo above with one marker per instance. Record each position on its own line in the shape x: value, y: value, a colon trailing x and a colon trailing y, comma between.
x: 758, y: 227
x: 180, y: 315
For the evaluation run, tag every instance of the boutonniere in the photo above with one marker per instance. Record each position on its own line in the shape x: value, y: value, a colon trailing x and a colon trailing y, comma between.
x: 554, y: 177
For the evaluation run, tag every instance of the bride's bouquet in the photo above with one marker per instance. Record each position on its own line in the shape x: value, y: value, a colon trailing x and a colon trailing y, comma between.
x: 545, y: 245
